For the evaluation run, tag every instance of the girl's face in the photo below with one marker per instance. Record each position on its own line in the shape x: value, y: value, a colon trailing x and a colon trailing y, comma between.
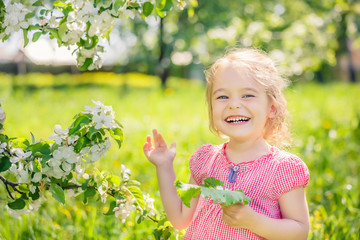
x: 240, y: 105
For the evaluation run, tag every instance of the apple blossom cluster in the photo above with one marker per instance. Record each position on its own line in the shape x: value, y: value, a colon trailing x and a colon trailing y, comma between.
x: 60, y: 164
x: 84, y: 24
x: 16, y: 18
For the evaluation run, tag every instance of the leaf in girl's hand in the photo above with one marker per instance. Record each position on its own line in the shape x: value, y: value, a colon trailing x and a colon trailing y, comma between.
x: 187, y: 192
x: 213, y: 189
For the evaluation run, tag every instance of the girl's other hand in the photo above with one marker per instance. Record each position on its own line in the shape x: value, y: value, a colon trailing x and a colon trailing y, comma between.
x: 159, y: 153
x: 238, y: 215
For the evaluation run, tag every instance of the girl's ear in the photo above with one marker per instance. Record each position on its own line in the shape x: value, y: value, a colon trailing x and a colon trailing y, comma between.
x: 272, y: 111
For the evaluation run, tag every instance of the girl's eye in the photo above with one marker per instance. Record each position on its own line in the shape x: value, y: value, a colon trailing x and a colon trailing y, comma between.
x: 248, y: 96
x: 222, y: 97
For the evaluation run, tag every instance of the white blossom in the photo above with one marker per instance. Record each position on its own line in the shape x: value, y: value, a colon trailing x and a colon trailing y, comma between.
x: 2, y: 115
x: 60, y: 134
x: 149, y: 204
x: 124, y: 209
x: 2, y: 147
x: 19, y: 155
x: 125, y: 172
x: 17, y: 213
x: 32, y: 188
x: 72, y: 139
x: 66, y: 154
x: 37, y: 177
x: 14, y: 18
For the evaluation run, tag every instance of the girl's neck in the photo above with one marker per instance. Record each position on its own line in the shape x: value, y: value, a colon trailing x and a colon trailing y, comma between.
x: 238, y: 152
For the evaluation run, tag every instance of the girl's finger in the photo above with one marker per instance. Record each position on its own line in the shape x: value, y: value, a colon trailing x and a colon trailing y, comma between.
x: 148, y: 139
x: 162, y: 142
x: 156, y: 138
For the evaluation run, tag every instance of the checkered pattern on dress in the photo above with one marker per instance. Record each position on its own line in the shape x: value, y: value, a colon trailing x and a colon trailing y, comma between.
x: 264, y: 180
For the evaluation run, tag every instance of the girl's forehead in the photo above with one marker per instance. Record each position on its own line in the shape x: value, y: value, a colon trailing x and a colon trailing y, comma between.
x: 232, y: 76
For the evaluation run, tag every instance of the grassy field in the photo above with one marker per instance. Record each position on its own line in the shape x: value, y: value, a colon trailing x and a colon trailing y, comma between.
x: 325, y: 124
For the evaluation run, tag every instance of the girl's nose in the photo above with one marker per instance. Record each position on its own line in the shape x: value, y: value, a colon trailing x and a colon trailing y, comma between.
x: 235, y: 104
x: 234, y: 107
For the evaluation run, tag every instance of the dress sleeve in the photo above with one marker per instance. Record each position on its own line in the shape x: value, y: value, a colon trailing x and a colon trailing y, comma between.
x: 198, y: 163
x: 292, y: 173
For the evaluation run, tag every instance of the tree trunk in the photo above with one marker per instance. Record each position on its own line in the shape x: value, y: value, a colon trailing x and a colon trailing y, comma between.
x: 163, y: 68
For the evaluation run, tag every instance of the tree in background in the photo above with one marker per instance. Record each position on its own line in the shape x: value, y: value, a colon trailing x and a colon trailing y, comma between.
x: 305, y: 37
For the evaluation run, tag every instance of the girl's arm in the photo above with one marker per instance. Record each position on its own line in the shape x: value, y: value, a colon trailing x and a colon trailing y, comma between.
x: 162, y: 157
x: 293, y: 225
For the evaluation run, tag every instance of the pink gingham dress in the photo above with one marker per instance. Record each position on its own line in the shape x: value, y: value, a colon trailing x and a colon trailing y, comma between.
x: 264, y: 180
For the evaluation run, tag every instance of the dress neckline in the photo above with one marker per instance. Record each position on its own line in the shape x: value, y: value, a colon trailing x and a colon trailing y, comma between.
x: 249, y: 164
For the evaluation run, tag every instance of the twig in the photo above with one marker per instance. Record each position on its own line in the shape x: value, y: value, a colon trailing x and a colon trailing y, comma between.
x: 71, y: 187
x: 12, y: 184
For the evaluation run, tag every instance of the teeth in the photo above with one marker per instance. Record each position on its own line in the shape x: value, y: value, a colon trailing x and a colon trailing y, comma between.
x: 239, y: 119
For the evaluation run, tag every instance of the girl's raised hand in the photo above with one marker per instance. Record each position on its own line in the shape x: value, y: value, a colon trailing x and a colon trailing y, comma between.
x: 159, y: 153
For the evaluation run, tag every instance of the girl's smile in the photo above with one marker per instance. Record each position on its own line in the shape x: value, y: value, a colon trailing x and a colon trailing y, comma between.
x: 237, y: 120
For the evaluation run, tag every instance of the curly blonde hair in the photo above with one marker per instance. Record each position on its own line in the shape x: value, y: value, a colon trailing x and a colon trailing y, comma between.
x: 264, y: 72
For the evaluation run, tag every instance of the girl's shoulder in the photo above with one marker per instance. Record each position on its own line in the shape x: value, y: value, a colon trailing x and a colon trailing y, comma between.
x: 282, y: 157
x: 290, y: 172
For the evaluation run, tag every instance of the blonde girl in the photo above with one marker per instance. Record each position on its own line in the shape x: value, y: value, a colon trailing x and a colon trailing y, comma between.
x: 246, y: 104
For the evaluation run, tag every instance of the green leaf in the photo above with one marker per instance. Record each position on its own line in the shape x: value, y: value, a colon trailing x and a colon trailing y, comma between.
x: 81, y: 143
x: 36, y: 36
x: 36, y: 195
x: 40, y: 147
x: 5, y: 163
x: 34, y: 27
x: 86, y: 64
x: 81, y: 120
x: 117, y: 135
x: 89, y: 192
x: 26, y: 39
x: 187, y: 192
x: 37, y: 4
x: 212, y: 182
x: 30, y: 15
x: 54, y: 34
x: 165, y: 5
x: 117, y: 5
x: 111, y: 208
x: 147, y: 8
x: 212, y: 188
x: 62, y: 29
x: 91, y: 42
x: 32, y: 138
x: 107, y: 34
x: 20, y: 143
x: 57, y: 192
x: 115, y: 180
x: 92, y: 133
x: 17, y: 204
x: 137, y: 194
x: 59, y: 4
x: 23, y: 188
x: 84, y: 186
x: 36, y: 165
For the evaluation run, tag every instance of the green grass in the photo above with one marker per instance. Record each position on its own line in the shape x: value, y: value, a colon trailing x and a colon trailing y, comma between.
x: 325, y: 124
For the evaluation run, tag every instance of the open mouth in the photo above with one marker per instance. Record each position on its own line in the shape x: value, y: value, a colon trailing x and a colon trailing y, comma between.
x: 237, y: 119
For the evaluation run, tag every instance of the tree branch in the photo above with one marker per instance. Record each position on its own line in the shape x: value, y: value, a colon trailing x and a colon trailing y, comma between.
x: 11, y: 184
x: 71, y: 187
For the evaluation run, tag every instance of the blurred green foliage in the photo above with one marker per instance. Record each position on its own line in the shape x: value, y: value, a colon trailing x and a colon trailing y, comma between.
x: 303, y: 36
x: 326, y: 132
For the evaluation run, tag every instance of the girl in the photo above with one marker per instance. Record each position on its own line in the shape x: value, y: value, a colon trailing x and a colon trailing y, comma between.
x: 246, y: 104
